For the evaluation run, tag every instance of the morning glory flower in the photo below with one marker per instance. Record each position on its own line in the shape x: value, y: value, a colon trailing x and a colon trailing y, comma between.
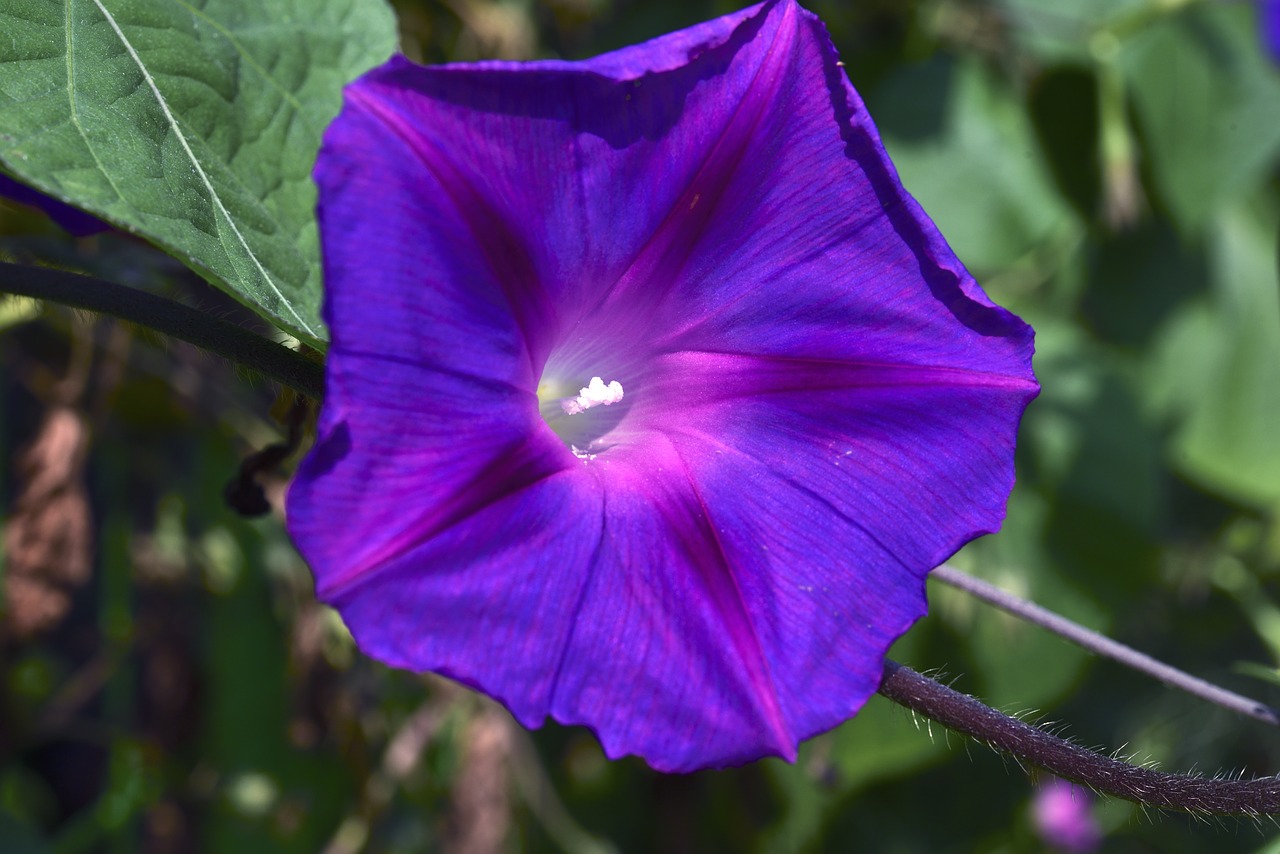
x: 652, y: 396
x: 1062, y: 815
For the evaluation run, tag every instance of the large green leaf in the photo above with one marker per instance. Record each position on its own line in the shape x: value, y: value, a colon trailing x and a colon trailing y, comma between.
x: 193, y: 124
x: 966, y: 150
x: 1056, y: 31
x: 1219, y: 365
x: 1209, y: 103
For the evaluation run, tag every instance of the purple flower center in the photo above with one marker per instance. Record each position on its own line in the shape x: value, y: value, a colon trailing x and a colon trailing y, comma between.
x: 577, y: 413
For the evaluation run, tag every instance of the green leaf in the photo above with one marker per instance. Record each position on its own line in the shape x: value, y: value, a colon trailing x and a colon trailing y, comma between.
x: 1016, y: 665
x: 193, y: 124
x: 17, y: 310
x: 1219, y: 365
x: 966, y: 150
x: 1057, y: 31
x: 1209, y: 104
x: 1092, y: 443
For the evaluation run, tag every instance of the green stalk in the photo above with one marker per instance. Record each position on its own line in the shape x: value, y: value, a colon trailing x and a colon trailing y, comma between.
x: 167, y: 317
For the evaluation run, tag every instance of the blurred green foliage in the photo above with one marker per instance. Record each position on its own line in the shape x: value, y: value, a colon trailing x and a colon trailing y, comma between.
x: 1108, y: 169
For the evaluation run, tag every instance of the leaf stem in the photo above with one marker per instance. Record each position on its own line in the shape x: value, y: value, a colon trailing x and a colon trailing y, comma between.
x: 964, y: 714
x: 169, y: 318
x: 1105, y: 646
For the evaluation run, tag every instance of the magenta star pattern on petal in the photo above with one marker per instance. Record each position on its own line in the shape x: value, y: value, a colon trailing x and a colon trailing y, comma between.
x: 652, y: 396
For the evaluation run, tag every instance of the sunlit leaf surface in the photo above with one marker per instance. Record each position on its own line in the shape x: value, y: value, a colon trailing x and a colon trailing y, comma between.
x: 193, y: 125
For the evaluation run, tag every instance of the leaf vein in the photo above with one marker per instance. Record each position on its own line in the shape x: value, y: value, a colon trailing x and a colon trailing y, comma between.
x: 289, y: 96
x: 195, y: 162
x: 75, y: 106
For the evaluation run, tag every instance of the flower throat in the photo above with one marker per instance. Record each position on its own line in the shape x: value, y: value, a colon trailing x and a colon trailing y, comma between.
x: 578, y: 419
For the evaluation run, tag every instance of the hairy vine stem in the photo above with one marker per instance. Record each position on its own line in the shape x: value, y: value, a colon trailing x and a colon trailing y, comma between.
x: 169, y: 318
x: 1105, y: 774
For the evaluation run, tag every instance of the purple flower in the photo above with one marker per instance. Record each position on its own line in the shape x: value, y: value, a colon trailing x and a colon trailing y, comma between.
x: 1269, y: 24
x: 652, y: 395
x: 1063, y: 817
x: 72, y: 220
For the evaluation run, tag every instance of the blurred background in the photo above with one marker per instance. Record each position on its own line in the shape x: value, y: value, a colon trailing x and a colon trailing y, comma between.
x: 1106, y: 168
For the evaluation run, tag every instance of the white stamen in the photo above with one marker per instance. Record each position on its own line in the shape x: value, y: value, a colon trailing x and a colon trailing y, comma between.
x: 595, y: 394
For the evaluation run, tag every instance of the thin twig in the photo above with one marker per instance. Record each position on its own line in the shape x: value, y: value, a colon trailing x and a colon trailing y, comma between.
x: 169, y: 318
x: 1105, y: 646
x: 539, y: 793
x: 403, y: 752
x: 964, y: 714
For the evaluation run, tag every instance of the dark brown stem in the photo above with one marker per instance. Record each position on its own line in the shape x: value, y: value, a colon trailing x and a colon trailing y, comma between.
x: 1026, y: 743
